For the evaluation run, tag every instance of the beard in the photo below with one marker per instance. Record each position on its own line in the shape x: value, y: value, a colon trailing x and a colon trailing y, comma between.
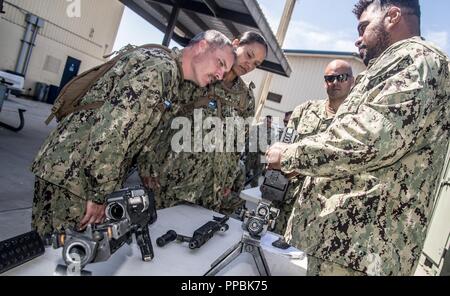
x: 382, y: 43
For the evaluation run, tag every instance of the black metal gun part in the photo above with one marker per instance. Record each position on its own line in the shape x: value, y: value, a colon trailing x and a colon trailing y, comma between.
x: 170, y: 236
x: 275, y: 184
x: 20, y: 249
x: 206, y: 232
x: 144, y: 242
x: 200, y: 236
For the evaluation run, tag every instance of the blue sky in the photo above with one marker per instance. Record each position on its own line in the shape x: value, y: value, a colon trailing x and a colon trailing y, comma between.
x: 315, y: 25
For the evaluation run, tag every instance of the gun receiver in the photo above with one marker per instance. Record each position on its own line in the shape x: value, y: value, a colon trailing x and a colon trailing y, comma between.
x: 128, y: 211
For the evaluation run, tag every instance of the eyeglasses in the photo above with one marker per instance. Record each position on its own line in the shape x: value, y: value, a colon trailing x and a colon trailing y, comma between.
x: 339, y: 78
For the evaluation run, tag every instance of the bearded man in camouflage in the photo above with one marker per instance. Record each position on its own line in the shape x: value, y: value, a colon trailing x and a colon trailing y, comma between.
x: 374, y: 171
x: 90, y: 152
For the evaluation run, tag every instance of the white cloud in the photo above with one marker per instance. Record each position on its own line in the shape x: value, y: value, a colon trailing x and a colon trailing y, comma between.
x: 439, y: 38
x: 302, y: 35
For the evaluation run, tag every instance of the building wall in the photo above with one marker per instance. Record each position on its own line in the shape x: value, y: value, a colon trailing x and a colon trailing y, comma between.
x: 306, y: 81
x: 86, y: 38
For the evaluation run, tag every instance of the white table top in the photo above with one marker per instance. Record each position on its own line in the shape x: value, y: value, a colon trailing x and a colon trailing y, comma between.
x: 176, y: 259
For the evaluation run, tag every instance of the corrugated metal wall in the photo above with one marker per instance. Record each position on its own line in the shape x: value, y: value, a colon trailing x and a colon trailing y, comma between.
x: 306, y: 81
x: 101, y: 15
x: 86, y: 38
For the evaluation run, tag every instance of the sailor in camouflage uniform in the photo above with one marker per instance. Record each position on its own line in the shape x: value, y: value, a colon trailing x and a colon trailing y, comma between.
x: 375, y: 170
x: 311, y: 118
x: 90, y: 152
x: 210, y: 179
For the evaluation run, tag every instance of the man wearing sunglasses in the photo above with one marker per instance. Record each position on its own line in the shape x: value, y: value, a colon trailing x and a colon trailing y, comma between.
x: 376, y: 169
x: 314, y: 117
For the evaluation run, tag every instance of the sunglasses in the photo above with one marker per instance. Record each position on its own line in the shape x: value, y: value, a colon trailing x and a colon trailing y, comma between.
x: 339, y: 78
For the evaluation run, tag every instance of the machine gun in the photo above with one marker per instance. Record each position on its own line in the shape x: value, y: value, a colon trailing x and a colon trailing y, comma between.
x: 128, y: 211
x: 200, y: 236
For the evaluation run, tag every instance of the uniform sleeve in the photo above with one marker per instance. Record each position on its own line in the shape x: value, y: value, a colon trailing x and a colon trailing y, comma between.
x: 146, y: 161
x: 158, y: 146
x: 120, y: 123
x: 296, y: 116
x: 250, y: 110
x: 376, y: 133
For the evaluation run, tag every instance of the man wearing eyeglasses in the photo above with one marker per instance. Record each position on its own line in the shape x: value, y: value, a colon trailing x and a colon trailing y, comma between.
x: 314, y: 117
x: 376, y: 169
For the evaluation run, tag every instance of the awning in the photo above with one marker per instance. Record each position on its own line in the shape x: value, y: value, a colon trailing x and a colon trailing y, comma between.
x: 181, y: 20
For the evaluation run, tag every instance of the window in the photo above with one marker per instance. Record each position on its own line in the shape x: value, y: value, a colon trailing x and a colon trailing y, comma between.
x: 52, y: 64
x: 274, y: 97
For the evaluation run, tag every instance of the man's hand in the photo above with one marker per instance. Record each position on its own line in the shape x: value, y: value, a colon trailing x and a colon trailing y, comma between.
x: 273, y: 155
x: 95, y: 214
x: 151, y: 183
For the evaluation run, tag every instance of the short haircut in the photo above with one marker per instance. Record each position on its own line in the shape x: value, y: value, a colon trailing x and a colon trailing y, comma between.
x: 251, y: 37
x: 412, y: 6
x: 288, y: 113
x: 214, y: 38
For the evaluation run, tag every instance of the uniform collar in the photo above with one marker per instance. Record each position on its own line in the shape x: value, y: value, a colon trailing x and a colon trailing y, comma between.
x: 238, y: 86
x: 392, y: 48
x: 178, y: 55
